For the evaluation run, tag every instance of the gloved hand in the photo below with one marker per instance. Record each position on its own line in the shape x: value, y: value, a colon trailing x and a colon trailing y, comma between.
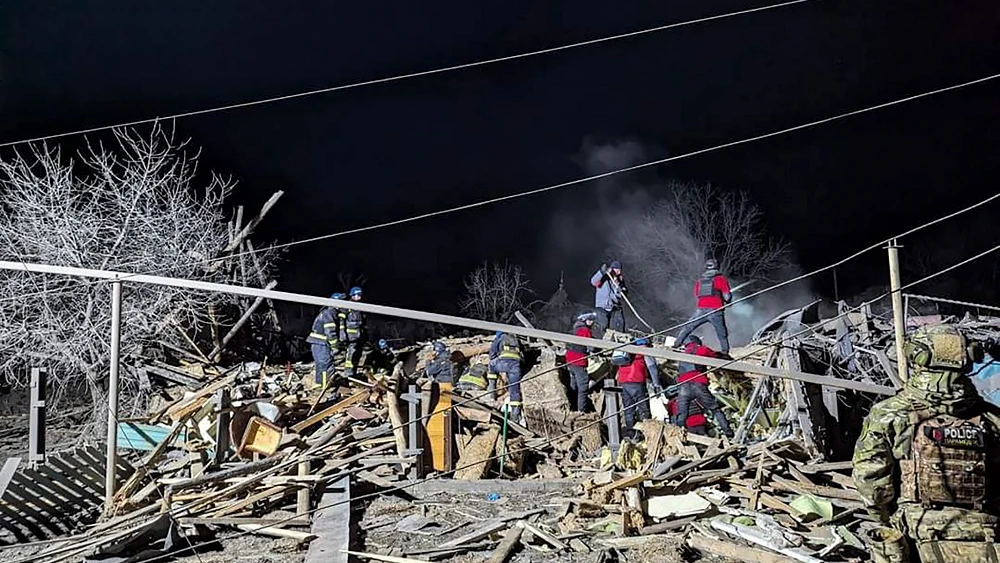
x: 604, y: 268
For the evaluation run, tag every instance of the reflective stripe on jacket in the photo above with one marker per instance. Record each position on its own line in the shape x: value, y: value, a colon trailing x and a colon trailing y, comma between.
x: 324, y: 328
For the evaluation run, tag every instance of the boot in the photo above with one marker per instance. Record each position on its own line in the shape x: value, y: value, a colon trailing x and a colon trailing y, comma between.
x: 515, y: 414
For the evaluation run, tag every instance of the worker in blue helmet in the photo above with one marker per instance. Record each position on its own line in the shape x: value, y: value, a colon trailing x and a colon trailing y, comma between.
x: 325, y: 341
x: 383, y: 358
x: 353, y: 333
x: 440, y: 368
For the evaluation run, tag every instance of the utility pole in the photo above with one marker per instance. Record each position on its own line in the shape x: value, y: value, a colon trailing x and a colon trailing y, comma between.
x: 112, y: 451
x: 898, y: 318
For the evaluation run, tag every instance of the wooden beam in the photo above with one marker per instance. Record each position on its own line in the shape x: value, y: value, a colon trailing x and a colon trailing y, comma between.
x: 239, y: 323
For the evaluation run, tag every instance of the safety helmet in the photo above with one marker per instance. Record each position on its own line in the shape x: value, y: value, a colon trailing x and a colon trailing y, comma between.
x: 615, y: 265
x: 642, y: 342
x: 587, y: 316
x: 941, y: 347
x: 711, y: 264
x: 355, y: 291
x: 338, y: 296
x: 692, y: 339
x: 382, y: 344
x: 440, y: 348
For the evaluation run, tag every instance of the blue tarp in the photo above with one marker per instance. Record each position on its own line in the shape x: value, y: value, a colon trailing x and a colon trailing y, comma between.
x: 143, y: 437
x: 986, y: 378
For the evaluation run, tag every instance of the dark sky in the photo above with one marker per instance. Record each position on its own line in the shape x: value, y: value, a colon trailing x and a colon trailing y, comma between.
x: 356, y: 157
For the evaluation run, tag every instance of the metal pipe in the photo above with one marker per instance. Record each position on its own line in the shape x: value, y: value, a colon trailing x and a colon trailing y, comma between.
x: 898, y: 320
x: 112, y: 445
x: 487, y: 326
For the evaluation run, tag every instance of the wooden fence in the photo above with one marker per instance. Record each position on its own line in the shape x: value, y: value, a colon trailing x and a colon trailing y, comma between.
x: 56, y: 498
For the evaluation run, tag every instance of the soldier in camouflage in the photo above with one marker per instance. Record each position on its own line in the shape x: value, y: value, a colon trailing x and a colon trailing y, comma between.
x: 921, y: 463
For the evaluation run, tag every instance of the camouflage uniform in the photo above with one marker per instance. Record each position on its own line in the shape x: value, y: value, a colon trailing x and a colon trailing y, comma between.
x: 904, y: 490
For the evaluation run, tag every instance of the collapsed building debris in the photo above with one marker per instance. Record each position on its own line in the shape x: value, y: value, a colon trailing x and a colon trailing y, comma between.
x: 250, y: 450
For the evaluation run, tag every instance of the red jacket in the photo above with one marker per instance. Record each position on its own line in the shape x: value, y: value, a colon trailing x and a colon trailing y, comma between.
x: 693, y: 372
x: 578, y: 357
x: 714, y: 301
x: 636, y: 372
x: 695, y: 416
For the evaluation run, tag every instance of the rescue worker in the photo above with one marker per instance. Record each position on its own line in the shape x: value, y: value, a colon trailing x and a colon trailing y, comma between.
x: 440, y: 368
x: 696, y: 422
x: 505, y: 357
x: 352, y: 332
x: 712, y: 293
x: 576, y: 360
x: 325, y: 341
x: 384, y: 359
x: 632, y: 379
x: 473, y: 379
x: 693, y: 383
x: 923, y: 459
x: 609, y: 293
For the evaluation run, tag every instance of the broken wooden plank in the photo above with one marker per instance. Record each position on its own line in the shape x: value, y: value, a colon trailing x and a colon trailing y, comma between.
x: 734, y: 551
x: 386, y: 558
x: 331, y: 410
x: 507, y: 544
x: 544, y: 536
x: 332, y: 525
x: 477, y: 456
x: 487, y: 528
x: 275, y: 532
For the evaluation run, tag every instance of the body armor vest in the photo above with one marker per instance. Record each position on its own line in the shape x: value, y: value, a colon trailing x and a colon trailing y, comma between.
x: 706, y: 285
x: 947, y: 463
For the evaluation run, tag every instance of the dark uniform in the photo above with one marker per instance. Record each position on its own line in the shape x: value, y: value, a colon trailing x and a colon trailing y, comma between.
x: 352, y: 332
x: 505, y: 357
x: 325, y: 341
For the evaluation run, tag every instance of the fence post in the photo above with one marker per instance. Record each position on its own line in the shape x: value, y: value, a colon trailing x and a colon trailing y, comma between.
x: 112, y: 445
x: 36, y: 420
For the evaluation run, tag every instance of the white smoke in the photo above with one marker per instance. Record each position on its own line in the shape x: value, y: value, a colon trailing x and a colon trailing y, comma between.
x: 661, y: 259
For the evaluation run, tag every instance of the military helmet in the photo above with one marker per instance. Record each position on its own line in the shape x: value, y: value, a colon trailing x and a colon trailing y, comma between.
x: 941, y: 347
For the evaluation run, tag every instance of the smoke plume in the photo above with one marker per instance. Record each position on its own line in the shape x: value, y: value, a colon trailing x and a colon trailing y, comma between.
x: 663, y: 231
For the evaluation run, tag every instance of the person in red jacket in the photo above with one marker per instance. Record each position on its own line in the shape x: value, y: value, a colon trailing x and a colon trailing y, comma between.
x: 576, y: 359
x: 632, y: 378
x: 712, y: 292
x: 696, y: 422
x: 694, y: 387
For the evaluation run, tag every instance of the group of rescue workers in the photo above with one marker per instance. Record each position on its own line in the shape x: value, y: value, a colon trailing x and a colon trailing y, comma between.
x: 921, y: 464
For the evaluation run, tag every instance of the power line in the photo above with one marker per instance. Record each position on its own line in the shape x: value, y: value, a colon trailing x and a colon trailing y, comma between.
x: 407, y: 76
x: 616, y: 172
x: 786, y: 337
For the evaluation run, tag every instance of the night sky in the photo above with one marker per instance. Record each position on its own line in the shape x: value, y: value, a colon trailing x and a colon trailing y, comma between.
x: 357, y: 157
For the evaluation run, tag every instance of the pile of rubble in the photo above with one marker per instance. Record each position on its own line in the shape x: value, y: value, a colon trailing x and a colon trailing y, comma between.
x: 394, y: 467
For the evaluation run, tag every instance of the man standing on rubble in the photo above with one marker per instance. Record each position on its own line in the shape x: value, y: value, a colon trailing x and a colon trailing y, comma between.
x: 693, y: 383
x: 712, y: 292
x: 352, y: 331
x: 632, y: 378
x: 440, y: 368
x: 505, y: 357
x: 609, y: 293
x: 923, y: 460
x: 325, y: 341
x: 576, y: 360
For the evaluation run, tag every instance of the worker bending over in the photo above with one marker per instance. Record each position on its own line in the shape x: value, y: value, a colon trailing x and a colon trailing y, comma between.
x: 693, y: 383
x: 325, y: 341
x: 632, y: 377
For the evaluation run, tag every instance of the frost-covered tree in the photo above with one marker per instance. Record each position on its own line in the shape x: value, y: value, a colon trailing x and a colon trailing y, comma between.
x: 135, y: 205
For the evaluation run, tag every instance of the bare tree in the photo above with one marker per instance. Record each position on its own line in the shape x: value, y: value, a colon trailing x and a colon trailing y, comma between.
x: 494, y: 292
x: 131, y: 206
x: 665, y: 248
